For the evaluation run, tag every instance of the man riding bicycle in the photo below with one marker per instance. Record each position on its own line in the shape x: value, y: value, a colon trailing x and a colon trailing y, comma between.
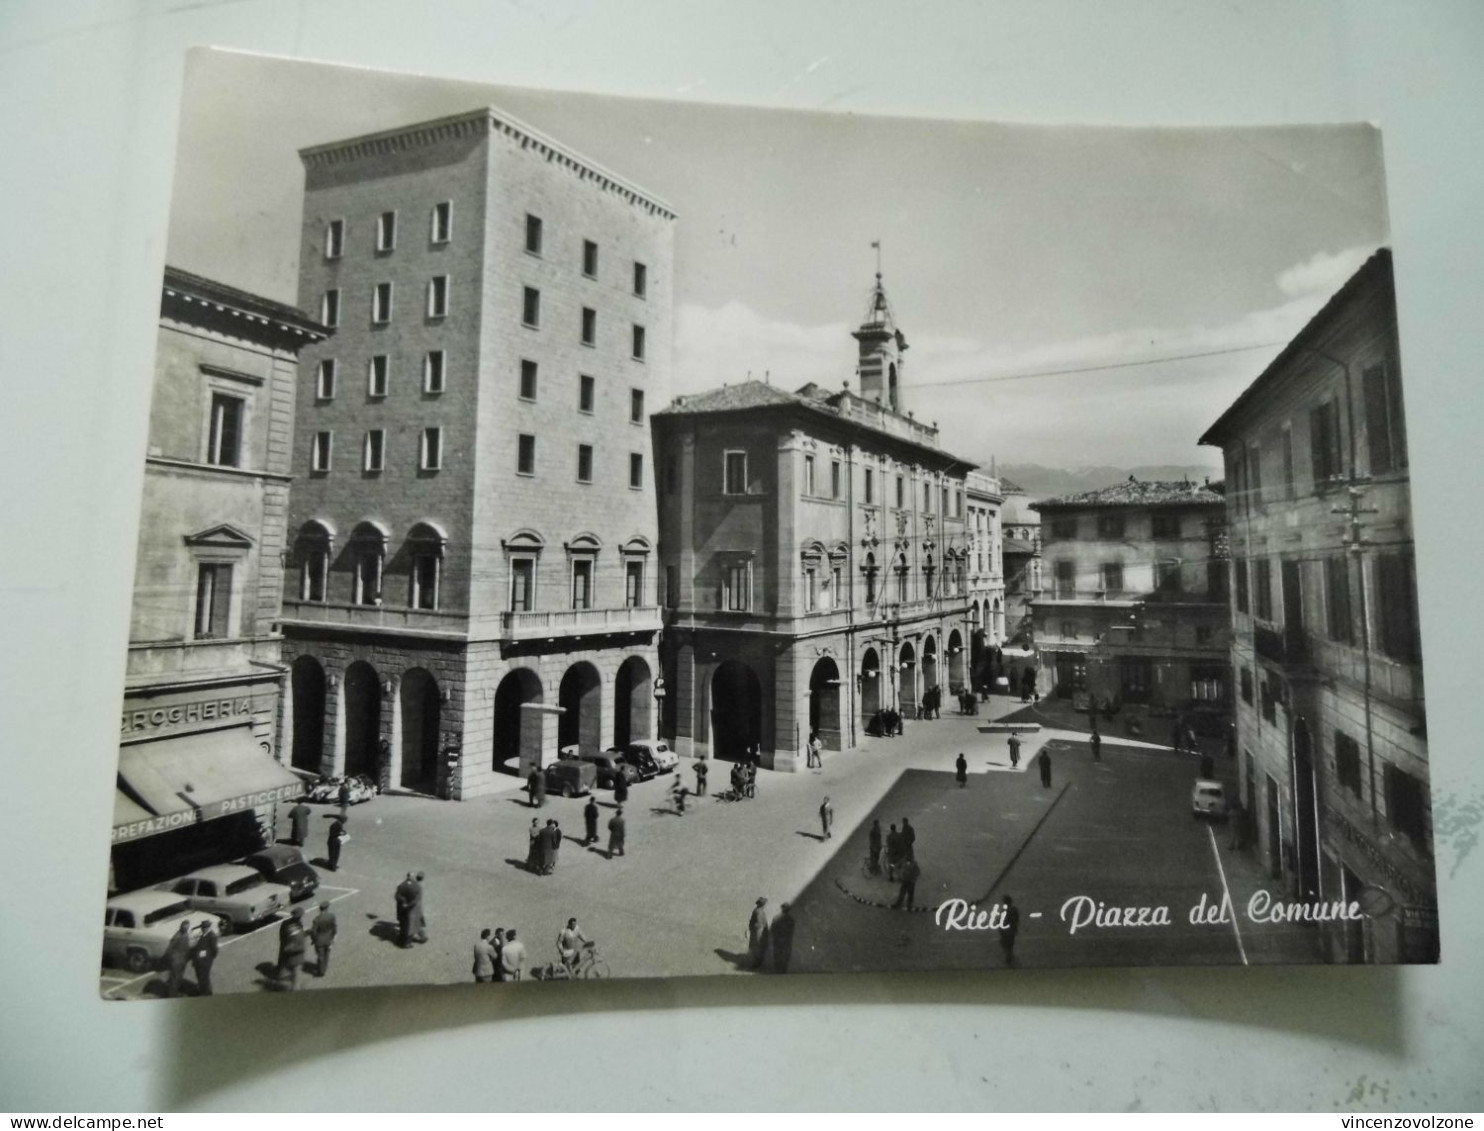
x: 570, y: 942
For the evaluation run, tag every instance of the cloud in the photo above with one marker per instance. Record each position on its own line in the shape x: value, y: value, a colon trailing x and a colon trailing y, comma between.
x: 1324, y: 273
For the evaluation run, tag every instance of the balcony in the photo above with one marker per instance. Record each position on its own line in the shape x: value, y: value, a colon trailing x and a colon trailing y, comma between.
x: 579, y: 622
x: 1112, y: 598
x: 1282, y: 645
x: 373, y: 617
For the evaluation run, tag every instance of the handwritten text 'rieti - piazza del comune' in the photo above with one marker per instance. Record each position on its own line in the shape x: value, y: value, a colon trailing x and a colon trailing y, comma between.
x: 1083, y: 913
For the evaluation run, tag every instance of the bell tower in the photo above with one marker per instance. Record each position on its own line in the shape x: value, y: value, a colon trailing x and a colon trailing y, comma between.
x: 881, y: 348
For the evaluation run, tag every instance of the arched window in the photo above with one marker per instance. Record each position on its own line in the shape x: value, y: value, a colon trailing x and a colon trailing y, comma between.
x: 368, y: 542
x: 902, y: 569
x: 868, y: 571
x: 312, y: 548
x: 426, y: 542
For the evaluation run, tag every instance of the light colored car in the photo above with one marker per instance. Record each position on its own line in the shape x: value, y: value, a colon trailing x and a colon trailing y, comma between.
x: 1208, y: 799
x: 238, y: 894
x: 138, y: 926
x: 665, y: 758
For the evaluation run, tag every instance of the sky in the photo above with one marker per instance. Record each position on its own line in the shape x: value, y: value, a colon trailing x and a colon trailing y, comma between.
x: 1164, y: 267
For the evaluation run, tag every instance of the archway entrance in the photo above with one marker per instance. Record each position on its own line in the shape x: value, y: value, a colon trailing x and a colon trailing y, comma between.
x: 955, y: 662
x: 1305, y: 819
x: 517, y: 722
x: 421, y: 721
x: 309, y: 714
x: 824, y: 703
x: 907, y: 681
x: 929, y: 663
x: 736, y: 711
x: 362, y: 693
x: 870, y: 690
x: 580, y: 697
x: 633, y: 690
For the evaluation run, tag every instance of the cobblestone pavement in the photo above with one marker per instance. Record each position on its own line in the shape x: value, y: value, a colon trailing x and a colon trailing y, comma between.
x: 678, y: 902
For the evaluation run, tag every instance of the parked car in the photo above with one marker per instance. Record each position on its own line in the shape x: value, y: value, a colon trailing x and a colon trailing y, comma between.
x: 284, y: 864
x: 665, y: 758
x: 138, y: 926
x: 1208, y: 799
x: 326, y: 791
x: 570, y: 777
x: 637, y: 757
x: 610, y: 768
x: 238, y: 894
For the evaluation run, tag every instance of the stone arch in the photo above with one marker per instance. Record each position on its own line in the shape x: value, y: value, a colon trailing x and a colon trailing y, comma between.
x: 580, y: 696
x: 929, y: 661
x: 633, y: 702
x: 955, y: 661
x: 907, y: 679
x: 870, y: 687
x: 518, y: 718
x: 824, y: 702
x: 361, y: 688
x: 736, y: 711
x: 308, y: 681
x: 422, y: 711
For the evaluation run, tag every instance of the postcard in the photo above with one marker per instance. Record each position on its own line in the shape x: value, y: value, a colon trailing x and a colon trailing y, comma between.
x: 587, y: 537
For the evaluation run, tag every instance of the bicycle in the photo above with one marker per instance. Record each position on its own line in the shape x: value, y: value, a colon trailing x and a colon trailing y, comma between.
x: 590, y: 964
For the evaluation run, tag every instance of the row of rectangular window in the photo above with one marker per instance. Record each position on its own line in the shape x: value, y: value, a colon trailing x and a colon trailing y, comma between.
x: 588, y: 331
x: 377, y: 368
x: 440, y: 230
x: 735, y: 482
x: 1163, y: 527
x: 536, y: 238
x: 430, y: 455
x: 382, y: 295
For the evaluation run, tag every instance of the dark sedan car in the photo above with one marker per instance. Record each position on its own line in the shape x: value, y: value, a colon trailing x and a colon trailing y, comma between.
x: 638, y: 757
x: 611, y: 767
x: 285, y: 864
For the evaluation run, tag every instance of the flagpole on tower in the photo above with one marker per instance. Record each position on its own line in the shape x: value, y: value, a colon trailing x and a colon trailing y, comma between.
x: 877, y: 245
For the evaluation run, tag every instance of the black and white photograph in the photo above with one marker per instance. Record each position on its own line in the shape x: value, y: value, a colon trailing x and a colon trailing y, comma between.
x: 590, y: 537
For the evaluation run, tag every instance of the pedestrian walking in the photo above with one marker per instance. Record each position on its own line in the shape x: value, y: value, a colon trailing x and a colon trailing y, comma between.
x: 177, y: 955
x: 590, y: 820
x: 751, y: 779
x: 893, y: 853
x: 961, y: 770
x: 757, y: 932
x: 404, y: 897
x: 677, y: 795
x: 322, y: 934
x: 616, y: 829
x: 533, y: 846
x: 1044, y: 761
x: 498, y: 946
x: 555, y: 834
x: 782, y: 930
x: 907, y: 878
x: 485, y: 958
x: 701, y: 772
x: 513, y: 958
x: 417, y: 921
x: 203, y: 957
x: 344, y: 796
x: 826, y: 817
x: 1014, y: 750
x: 291, y: 948
x: 1095, y: 740
x: 873, y: 848
x: 814, y: 760
x: 336, y: 841
x: 299, y: 824
x: 1009, y: 928
x: 909, y: 840
x: 621, y: 790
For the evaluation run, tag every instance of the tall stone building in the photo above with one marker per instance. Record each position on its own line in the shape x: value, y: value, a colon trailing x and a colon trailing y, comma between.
x: 197, y: 777
x: 1133, y: 609
x: 1020, y: 551
x: 472, y: 580
x: 1331, y: 718
x: 815, y: 554
x: 986, y: 577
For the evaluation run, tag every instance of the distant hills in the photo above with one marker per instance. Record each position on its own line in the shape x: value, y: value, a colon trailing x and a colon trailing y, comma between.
x: 1042, y: 482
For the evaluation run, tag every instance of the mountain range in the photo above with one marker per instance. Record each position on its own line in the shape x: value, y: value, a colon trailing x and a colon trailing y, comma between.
x: 1042, y: 482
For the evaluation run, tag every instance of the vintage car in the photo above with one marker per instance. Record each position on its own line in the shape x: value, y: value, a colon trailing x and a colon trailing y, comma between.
x: 635, y: 755
x: 610, y: 768
x: 238, y: 894
x: 1208, y: 799
x: 357, y: 789
x: 570, y: 777
x: 665, y: 758
x: 284, y: 864
x: 138, y: 925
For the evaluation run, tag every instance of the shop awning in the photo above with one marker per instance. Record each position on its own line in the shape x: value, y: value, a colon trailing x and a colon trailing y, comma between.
x: 196, y: 777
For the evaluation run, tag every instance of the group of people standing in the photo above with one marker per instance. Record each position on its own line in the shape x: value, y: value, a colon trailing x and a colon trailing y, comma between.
x: 545, y: 844
x: 932, y: 703
x: 198, y: 950
x: 294, y: 940
x: 776, y: 936
x: 499, y: 956
x: 412, y: 919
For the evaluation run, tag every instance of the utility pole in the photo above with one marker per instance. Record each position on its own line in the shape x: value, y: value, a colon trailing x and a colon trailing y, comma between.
x: 1355, y: 546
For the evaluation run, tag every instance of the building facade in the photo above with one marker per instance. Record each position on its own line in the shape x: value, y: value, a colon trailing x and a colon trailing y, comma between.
x: 1331, y: 720
x: 472, y: 581
x: 816, y: 558
x: 197, y: 774
x: 986, y: 577
x: 1133, y: 609
x: 1020, y: 553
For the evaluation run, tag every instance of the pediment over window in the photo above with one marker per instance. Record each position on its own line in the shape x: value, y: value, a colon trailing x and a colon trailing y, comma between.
x: 427, y: 531
x: 584, y: 543
x: 223, y: 537
x: 813, y: 548
x: 638, y: 544
x: 524, y: 539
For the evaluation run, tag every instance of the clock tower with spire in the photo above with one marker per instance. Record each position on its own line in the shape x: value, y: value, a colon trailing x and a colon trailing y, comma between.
x: 881, y: 348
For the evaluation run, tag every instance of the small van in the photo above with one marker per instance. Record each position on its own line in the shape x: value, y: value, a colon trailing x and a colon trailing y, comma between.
x: 570, y: 777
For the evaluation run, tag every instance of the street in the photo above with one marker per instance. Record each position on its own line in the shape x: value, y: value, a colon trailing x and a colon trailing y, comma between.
x: 1119, y: 832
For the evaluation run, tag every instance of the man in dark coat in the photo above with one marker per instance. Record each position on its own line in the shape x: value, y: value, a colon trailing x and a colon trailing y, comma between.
x: 1009, y: 928
x: 701, y: 771
x: 893, y: 852
x: 177, y: 955
x: 1044, y: 761
x: 1014, y: 749
x: 909, y: 840
x: 533, y: 846
x: 590, y: 820
x: 336, y: 841
x: 555, y: 835
x: 405, y: 896
x: 299, y: 824
x: 417, y: 918
x: 203, y: 957
x: 322, y: 934
x: 907, y: 877
x: 485, y: 958
x: 826, y: 817
x: 1095, y: 740
x: 621, y: 790
x: 291, y: 947
x: 757, y: 932
x: 616, y: 829
x: 873, y: 848
x: 782, y: 931
x: 961, y: 770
